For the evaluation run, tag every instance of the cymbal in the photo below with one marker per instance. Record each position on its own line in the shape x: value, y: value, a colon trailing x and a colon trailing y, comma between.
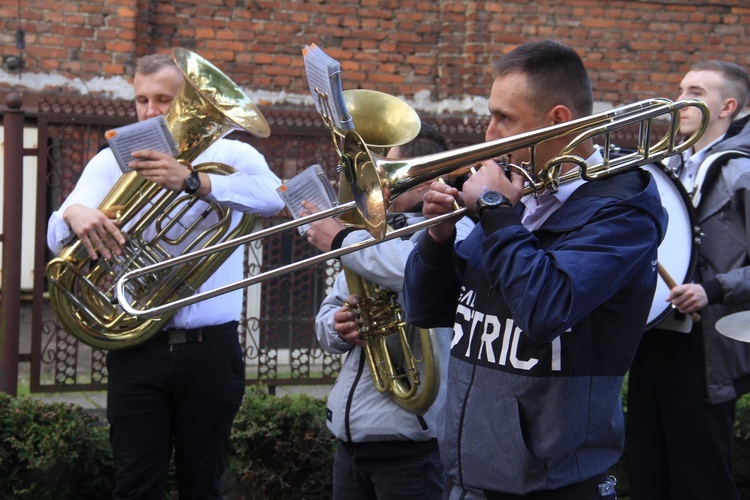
x: 735, y: 326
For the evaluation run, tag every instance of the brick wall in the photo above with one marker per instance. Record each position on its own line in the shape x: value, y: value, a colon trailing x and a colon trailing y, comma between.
x: 634, y: 49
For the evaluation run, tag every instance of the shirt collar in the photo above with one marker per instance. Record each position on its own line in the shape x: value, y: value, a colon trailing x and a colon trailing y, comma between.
x: 697, y: 158
x: 565, y: 189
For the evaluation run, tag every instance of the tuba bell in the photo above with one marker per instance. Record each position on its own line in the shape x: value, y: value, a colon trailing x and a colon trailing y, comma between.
x: 207, y: 107
x: 403, y: 359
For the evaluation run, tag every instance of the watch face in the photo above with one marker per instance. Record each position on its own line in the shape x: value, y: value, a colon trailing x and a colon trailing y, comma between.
x: 192, y: 183
x: 492, y: 198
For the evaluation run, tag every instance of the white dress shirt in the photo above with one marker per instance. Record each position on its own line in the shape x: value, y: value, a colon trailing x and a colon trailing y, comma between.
x: 251, y: 189
x: 691, y: 163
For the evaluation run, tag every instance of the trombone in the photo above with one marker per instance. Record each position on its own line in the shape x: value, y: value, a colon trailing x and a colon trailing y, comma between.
x: 375, y: 181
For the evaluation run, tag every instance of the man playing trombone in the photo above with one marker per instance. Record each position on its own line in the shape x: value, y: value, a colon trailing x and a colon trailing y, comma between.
x: 548, y: 297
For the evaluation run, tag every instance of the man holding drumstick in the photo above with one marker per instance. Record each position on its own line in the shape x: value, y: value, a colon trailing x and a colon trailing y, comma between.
x: 683, y: 385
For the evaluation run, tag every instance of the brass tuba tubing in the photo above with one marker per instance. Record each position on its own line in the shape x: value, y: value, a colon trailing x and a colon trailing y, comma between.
x: 376, y: 181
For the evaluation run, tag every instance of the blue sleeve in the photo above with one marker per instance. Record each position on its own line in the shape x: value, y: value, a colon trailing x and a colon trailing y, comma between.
x: 431, y: 287
x: 550, y: 290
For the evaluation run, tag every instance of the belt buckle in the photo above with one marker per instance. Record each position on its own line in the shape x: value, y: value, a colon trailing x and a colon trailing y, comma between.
x: 176, y: 337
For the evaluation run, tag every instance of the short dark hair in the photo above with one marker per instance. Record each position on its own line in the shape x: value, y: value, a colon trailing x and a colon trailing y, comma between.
x: 555, y: 73
x: 428, y: 141
x: 736, y: 80
x: 150, y: 64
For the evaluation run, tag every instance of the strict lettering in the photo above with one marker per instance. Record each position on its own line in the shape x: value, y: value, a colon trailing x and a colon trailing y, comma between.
x: 498, y: 343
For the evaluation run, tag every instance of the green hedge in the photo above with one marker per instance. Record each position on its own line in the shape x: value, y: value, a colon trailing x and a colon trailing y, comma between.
x: 281, y: 449
x: 52, y: 451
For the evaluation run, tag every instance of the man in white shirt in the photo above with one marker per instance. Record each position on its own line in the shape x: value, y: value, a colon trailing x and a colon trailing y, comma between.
x: 181, y: 389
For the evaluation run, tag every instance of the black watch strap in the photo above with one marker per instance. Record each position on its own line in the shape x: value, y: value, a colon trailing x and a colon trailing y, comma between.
x: 490, y: 199
x: 192, y: 182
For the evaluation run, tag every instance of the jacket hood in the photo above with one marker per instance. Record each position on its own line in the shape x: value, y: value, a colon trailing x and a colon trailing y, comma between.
x: 737, y: 137
x: 636, y: 188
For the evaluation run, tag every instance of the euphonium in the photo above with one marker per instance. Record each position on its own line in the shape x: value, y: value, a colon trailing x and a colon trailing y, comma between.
x: 395, y: 367
x: 207, y: 107
x: 403, y: 359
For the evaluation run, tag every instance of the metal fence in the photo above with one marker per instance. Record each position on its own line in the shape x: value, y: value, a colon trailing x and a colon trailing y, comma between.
x: 276, y: 327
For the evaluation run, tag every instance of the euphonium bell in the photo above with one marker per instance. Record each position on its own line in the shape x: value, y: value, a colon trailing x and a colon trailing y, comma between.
x: 383, y: 120
x: 207, y: 107
x: 403, y: 359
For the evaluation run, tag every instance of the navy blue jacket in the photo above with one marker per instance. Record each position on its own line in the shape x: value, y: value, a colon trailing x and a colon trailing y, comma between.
x: 546, y: 324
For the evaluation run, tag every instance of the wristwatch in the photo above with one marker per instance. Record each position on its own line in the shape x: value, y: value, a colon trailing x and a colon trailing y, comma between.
x: 490, y: 199
x: 192, y: 182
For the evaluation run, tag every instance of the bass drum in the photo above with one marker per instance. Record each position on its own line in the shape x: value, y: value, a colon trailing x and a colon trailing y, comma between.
x: 678, y: 253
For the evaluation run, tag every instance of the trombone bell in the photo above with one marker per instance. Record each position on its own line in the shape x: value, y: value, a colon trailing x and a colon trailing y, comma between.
x: 382, y: 121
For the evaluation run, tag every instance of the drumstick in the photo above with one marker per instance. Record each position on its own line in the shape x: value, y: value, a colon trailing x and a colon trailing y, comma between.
x: 671, y: 284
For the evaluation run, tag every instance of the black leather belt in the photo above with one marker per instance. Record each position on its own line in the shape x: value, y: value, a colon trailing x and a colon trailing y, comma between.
x: 183, y: 336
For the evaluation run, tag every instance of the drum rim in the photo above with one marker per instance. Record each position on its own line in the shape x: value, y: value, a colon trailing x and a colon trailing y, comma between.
x: 694, y: 230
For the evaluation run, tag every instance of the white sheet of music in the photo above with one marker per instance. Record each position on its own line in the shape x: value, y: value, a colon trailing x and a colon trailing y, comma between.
x: 324, y: 79
x: 151, y: 134
x: 309, y: 185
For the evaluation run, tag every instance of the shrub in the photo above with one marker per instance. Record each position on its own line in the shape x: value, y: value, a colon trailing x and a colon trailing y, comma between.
x: 281, y: 448
x: 742, y: 444
x: 52, y: 451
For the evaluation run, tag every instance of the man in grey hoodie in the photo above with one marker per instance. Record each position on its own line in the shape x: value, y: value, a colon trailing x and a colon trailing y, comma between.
x: 384, y: 450
x: 683, y: 385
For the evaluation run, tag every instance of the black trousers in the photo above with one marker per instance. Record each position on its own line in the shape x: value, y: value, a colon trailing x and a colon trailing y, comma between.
x: 678, y: 445
x: 411, y: 470
x: 184, y: 397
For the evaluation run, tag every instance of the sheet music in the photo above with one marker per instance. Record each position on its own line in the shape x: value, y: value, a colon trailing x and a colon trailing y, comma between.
x: 151, y: 134
x: 311, y: 185
x: 324, y: 79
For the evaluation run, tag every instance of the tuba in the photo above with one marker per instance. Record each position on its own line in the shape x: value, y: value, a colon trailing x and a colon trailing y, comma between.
x: 403, y: 359
x: 207, y: 107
